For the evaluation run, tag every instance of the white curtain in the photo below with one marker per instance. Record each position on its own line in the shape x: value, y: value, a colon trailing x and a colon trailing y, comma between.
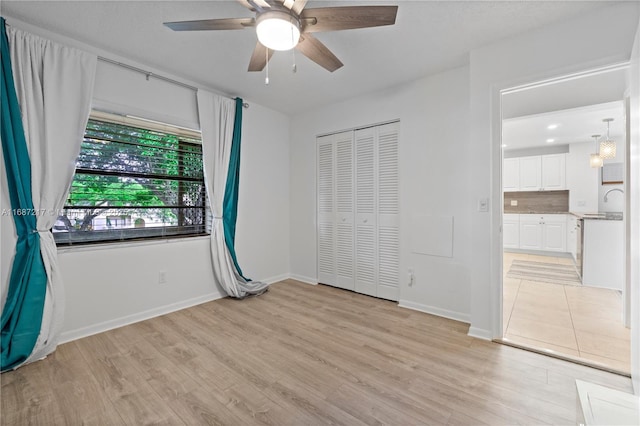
x: 54, y: 84
x: 216, y: 115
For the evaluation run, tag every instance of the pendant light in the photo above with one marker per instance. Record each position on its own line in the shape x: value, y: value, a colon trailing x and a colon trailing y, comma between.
x: 607, y: 146
x: 595, y: 160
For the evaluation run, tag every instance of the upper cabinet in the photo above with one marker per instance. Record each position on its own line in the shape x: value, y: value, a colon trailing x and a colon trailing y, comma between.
x: 530, y: 173
x: 511, y: 174
x: 534, y: 173
x: 553, y: 172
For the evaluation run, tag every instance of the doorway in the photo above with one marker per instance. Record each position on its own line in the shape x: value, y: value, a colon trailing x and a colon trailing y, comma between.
x: 563, y: 294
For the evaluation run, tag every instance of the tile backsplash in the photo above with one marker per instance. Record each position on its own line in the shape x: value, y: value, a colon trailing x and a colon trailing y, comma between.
x: 537, y: 202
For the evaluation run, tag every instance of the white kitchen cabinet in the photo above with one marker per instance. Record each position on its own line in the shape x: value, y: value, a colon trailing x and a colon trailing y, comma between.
x: 358, y: 210
x: 530, y: 232
x: 511, y: 231
x: 511, y: 174
x: 553, y: 172
x: 534, y: 173
x: 543, y: 232
x: 530, y: 173
x: 554, y: 232
x: 603, y: 253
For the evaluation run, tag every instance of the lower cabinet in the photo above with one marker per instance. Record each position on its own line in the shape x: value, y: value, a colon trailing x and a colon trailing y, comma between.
x: 546, y: 232
x: 603, y: 254
x: 554, y: 233
x: 511, y: 231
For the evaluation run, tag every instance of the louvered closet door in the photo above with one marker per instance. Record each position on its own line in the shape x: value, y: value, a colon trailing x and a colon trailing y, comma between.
x: 326, y: 238
x: 365, y: 223
x: 388, y: 209
x: 358, y: 211
x: 343, y: 143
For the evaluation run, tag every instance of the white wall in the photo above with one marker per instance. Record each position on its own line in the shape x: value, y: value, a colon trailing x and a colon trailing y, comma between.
x: 433, y: 114
x: 616, y: 200
x: 564, y: 48
x: 582, y: 179
x: 110, y: 286
x: 123, y: 91
x: 107, y: 286
x: 262, y: 234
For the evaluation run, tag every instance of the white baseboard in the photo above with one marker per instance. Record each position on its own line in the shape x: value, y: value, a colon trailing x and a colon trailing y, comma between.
x: 480, y: 333
x: 68, y: 336
x: 457, y: 316
x: 302, y: 278
x: 275, y: 279
x: 79, y: 333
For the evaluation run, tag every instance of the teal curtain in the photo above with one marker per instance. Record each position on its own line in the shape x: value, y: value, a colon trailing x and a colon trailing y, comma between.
x: 22, y: 312
x: 230, y: 202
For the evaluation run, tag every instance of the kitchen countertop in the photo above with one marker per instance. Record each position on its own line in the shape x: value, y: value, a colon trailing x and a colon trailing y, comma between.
x: 599, y: 216
x: 579, y: 215
x: 535, y: 212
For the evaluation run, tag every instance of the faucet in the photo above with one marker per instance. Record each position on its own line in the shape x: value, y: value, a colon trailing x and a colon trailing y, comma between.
x: 611, y: 190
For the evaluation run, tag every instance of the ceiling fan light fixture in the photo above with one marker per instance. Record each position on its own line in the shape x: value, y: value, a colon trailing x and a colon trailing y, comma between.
x: 278, y: 30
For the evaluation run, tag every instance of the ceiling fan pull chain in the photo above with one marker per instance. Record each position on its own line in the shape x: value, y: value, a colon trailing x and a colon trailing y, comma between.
x: 295, y: 67
x: 266, y: 80
x: 293, y: 51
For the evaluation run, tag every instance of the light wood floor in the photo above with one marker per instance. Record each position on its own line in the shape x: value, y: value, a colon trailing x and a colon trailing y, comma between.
x: 298, y: 354
x: 579, y: 321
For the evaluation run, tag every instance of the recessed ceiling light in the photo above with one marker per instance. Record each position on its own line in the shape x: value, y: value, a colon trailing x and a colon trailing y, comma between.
x: 550, y: 140
x: 552, y: 126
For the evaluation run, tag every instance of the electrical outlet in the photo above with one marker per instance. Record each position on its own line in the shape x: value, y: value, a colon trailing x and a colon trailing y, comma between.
x: 162, y: 277
x: 411, y: 276
x: 582, y: 203
x: 514, y: 203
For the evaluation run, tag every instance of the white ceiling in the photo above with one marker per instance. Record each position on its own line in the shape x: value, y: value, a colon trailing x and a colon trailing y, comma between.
x: 577, y: 105
x: 591, y: 89
x: 573, y: 126
x: 429, y: 37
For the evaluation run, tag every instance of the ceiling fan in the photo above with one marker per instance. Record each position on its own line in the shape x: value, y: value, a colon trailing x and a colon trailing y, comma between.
x: 285, y: 24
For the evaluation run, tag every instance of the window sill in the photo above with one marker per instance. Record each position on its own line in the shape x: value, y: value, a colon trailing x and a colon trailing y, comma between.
x: 115, y: 245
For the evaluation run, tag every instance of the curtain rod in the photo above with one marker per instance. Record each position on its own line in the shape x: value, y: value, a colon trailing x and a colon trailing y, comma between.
x: 159, y: 77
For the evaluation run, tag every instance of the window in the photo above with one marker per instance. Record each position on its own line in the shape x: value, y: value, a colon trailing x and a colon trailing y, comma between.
x: 134, y: 182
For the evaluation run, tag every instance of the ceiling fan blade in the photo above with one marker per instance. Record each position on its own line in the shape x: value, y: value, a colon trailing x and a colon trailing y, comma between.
x: 313, y: 49
x: 245, y: 3
x: 287, y: 3
x: 347, y: 17
x: 259, y: 57
x: 212, y: 24
x: 298, y: 5
x: 253, y: 5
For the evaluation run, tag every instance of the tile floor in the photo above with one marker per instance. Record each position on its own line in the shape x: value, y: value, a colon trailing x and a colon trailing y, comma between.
x: 582, y: 322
